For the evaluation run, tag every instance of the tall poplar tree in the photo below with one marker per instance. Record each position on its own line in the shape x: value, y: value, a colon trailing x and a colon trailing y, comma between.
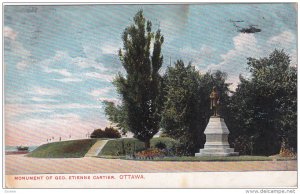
x: 140, y: 87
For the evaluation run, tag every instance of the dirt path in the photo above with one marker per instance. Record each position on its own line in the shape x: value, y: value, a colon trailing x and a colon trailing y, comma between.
x: 19, y: 164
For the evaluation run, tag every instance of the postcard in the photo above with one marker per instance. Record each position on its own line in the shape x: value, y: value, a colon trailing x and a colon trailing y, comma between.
x: 198, y: 95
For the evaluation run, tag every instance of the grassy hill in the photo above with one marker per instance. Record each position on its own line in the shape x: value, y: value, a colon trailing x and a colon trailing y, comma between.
x: 78, y: 148
x: 63, y: 149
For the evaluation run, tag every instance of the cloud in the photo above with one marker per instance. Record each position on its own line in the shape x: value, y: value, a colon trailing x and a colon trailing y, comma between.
x: 62, y: 57
x: 110, y: 49
x: 66, y: 106
x: 65, y: 116
x: 17, y: 109
x: 287, y: 41
x: 22, y: 65
x: 67, y: 80
x: 283, y: 40
x: 87, y: 63
x: 46, y: 91
x: 38, y: 99
x: 103, y: 94
x: 198, y: 56
x: 12, y: 110
x: 63, y: 72
x: 56, y: 60
x: 100, y: 76
x: 9, y: 33
x: 16, y: 48
x: 100, y: 92
x: 234, y: 62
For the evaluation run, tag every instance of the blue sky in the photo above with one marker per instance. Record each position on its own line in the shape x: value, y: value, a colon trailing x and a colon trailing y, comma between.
x: 59, y: 61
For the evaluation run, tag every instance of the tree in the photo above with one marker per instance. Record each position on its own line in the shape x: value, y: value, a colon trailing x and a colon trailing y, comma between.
x: 109, y: 132
x: 140, y: 87
x: 116, y: 114
x: 187, y: 105
x: 262, y: 113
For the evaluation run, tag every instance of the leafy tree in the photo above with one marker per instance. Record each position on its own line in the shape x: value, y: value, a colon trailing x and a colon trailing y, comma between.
x: 116, y: 114
x: 187, y: 105
x: 140, y: 87
x: 262, y: 113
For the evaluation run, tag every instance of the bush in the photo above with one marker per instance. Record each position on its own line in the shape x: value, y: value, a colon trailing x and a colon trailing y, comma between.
x: 150, y: 154
x: 242, y: 144
x: 109, y: 132
x: 160, y: 145
x: 129, y: 146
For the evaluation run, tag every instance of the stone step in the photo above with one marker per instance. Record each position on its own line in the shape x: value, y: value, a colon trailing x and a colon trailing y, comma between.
x: 209, y: 150
x: 216, y: 146
x: 217, y: 154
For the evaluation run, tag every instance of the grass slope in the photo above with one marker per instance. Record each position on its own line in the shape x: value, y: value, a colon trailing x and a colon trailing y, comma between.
x: 125, y: 146
x: 63, y: 149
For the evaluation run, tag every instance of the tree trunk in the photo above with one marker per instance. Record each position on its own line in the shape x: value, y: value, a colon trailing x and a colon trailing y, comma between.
x: 147, y: 144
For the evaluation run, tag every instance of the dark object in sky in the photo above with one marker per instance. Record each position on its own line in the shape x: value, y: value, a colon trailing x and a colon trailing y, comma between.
x: 236, y: 21
x: 250, y: 29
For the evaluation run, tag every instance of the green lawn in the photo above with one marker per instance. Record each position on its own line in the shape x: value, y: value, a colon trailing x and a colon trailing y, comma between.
x: 118, y: 148
x: 205, y: 159
x: 63, y: 149
x: 127, y: 146
x: 216, y: 158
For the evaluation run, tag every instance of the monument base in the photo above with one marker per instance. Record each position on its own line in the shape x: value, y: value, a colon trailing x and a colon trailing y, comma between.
x: 217, y: 152
x: 216, y: 144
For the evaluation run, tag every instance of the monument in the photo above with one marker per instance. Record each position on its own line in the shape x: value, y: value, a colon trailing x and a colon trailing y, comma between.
x: 216, y: 132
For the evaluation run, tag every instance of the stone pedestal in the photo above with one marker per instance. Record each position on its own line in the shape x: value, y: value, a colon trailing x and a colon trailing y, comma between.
x: 216, y: 133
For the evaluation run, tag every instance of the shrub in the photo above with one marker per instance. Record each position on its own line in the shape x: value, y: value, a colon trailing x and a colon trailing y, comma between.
x: 109, y: 132
x: 160, y: 145
x: 128, y: 146
x: 243, y: 145
x: 97, y: 133
x: 150, y: 154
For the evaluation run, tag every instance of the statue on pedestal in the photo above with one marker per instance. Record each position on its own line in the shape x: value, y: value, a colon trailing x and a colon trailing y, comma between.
x: 215, y: 102
x: 216, y: 132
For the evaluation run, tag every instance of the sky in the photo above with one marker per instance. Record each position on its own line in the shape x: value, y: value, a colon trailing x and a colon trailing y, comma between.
x: 59, y: 61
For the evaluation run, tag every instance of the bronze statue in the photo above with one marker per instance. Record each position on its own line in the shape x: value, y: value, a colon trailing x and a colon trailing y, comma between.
x: 215, y: 101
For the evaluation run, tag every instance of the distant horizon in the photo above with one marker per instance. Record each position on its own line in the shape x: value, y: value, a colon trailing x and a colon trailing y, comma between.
x: 59, y: 61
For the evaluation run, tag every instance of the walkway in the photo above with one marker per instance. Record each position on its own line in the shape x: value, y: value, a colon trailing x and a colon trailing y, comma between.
x: 20, y: 164
x: 96, y: 148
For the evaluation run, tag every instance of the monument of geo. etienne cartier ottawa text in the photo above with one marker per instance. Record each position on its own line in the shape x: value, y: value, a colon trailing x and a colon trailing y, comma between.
x: 216, y: 132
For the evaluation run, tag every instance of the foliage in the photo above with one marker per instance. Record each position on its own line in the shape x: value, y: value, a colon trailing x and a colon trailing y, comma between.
x: 263, y: 110
x: 109, y: 132
x: 187, y: 105
x: 63, y: 149
x: 160, y: 145
x: 150, y: 154
x: 116, y: 114
x: 128, y: 146
x: 140, y: 87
